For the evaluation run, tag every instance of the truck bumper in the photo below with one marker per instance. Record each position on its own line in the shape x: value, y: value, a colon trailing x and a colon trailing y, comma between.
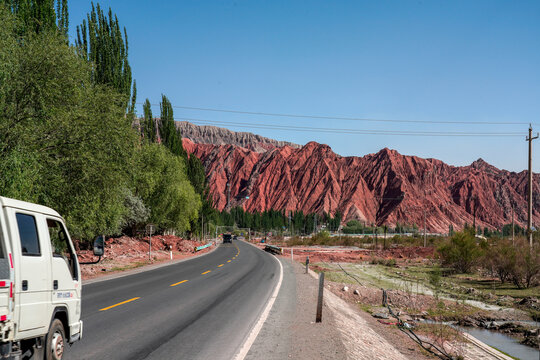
x: 78, y: 336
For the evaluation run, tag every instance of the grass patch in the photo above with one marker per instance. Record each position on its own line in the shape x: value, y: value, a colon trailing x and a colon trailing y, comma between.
x: 453, y: 312
x: 502, y: 352
x: 135, y: 265
x: 335, y: 274
x: 440, y: 332
x: 466, y: 281
x: 494, y: 286
x: 366, y: 308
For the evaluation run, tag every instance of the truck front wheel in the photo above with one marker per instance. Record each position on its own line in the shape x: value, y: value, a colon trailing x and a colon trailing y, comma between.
x: 56, y: 340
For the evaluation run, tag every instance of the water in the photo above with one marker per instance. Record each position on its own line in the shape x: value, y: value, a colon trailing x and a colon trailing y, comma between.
x: 499, y: 340
x: 504, y: 343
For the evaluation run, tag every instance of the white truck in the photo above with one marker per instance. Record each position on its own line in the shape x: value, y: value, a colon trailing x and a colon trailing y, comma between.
x: 40, y: 282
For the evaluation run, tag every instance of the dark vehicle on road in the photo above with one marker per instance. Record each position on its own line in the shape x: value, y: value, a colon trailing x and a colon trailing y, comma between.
x: 227, y: 238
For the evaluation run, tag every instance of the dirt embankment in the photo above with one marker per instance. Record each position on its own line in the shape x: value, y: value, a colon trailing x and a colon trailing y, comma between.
x: 344, y: 254
x: 124, y: 253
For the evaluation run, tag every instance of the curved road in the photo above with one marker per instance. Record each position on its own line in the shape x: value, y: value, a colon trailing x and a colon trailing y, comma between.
x: 202, y: 308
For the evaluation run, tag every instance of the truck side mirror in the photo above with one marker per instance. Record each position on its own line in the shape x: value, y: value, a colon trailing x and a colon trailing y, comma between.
x: 99, y: 246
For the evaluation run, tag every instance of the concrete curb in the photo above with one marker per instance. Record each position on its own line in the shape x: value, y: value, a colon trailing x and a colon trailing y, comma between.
x: 486, y: 348
x: 143, y: 268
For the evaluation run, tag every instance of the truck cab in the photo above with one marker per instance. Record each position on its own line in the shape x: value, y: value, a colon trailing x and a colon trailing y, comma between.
x: 40, y: 282
x: 227, y: 238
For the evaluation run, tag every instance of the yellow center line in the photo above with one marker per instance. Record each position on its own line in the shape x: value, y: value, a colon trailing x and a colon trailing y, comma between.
x: 220, y: 265
x: 228, y: 260
x: 206, y: 272
x: 122, y: 303
x: 178, y: 283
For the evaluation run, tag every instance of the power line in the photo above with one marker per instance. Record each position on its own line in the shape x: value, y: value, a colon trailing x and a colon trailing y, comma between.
x: 326, y: 117
x: 347, y: 131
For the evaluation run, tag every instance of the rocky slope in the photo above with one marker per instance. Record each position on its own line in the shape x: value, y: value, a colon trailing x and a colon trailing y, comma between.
x: 381, y: 188
x: 219, y: 136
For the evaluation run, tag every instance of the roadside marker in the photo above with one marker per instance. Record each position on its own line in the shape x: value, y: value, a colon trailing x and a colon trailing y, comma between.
x: 178, y: 283
x: 206, y: 272
x: 121, y: 303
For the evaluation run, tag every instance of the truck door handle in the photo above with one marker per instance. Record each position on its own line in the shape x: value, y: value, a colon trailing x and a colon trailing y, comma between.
x: 25, y: 285
x: 55, y: 284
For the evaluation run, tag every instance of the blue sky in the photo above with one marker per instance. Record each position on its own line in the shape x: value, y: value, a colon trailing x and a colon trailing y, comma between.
x: 409, y: 60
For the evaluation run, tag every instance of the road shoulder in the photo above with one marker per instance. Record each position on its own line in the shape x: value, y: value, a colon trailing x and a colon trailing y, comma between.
x: 145, y: 268
x: 290, y: 330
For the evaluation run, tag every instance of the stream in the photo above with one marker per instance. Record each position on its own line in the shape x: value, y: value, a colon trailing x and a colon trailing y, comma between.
x: 503, y: 342
x: 495, y: 339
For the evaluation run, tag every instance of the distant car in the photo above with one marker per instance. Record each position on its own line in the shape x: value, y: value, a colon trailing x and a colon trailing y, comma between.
x: 227, y: 238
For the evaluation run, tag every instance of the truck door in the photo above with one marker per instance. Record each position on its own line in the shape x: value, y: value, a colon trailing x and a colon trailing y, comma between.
x: 65, y: 272
x: 34, y: 270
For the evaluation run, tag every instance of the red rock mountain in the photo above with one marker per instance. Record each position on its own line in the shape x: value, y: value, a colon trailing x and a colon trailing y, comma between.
x: 382, y: 188
x: 206, y: 134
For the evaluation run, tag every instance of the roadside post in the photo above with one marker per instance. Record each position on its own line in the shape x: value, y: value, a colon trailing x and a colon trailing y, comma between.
x: 307, y: 264
x: 150, y: 230
x: 318, y: 318
x: 292, y: 254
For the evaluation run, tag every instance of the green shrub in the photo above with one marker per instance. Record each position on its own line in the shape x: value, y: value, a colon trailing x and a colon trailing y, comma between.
x: 461, y: 252
x: 390, y: 262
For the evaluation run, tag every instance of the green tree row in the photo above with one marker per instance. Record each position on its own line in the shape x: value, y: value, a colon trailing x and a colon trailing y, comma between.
x: 65, y: 139
x: 357, y: 227
x: 163, y: 130
x: 274, y: 220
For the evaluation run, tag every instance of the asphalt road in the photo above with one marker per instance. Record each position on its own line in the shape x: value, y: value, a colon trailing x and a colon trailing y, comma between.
x: 202, y: 308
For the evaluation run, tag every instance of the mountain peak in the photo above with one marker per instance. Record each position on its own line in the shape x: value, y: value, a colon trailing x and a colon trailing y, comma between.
x: 207, y: 134
x: 481, y: 164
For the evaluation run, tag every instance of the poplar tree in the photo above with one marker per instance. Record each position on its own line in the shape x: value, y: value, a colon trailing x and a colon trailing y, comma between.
x: 170, y: 134
x: 39, y: 15
x: 100, y: 41
x: 148, y: 123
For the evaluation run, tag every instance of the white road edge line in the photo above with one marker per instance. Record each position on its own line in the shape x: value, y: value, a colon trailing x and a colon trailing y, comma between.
x: 244, y: 349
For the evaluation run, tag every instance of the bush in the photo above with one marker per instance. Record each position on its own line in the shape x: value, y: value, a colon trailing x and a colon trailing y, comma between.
x: 514, y: 263
x: 390, y: 262
x: 461, y: 252
x: 527, y: 266
x: 501, y: 259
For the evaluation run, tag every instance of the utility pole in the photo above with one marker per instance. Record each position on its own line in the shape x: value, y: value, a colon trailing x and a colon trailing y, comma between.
x: 425, y: 201
x: 376, y: 240
x: 425, y: 235
x: 373, y: 232
x: 530, y: 138
x: 228, y: 196
x: 512, y: 224
x: 290, y: 231
x: 474, y: 214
